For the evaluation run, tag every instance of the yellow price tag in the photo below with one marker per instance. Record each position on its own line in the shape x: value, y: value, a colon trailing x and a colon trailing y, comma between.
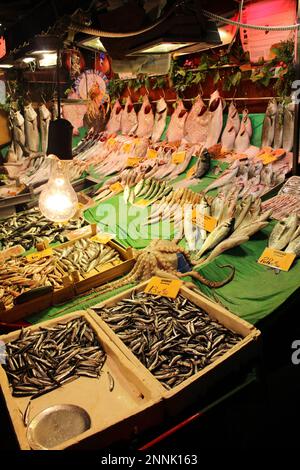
x: 116, y: 187
x: 191, y: 172
x: 127, y: 148
x: 178, y: 157
x: 102, y: 238
x: 151, y: 153
x: 38, y: 255
x: 137, y: 140
x: 204, y: 221
x: 277, y: 259
x: 132, y: 161
x: 142, y: 202
x: 268, y: 158
x: 111, y: 142
x: 164, y: 287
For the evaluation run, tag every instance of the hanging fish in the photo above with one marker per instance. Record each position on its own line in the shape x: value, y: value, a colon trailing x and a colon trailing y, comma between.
x: 242, y: 141
x: 145, y: 119
x: 196, y: 124
x: 268, y: 129
x: 44, y: 118
x: 175, y: 130
x: 159, y: 120
x: 234, y: 117
x: 228, y: 136
x: 288, y: 127
x: 247, y: 122
x: 215, y: 110
x: 18, y: 135
x: 278, y: 131
x: 31, y: 128
x: 129, y: 121
x: 114, y: 124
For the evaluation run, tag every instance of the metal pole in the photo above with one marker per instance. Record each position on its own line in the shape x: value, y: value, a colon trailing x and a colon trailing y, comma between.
x: 58, y: 84
x: 296, y: 146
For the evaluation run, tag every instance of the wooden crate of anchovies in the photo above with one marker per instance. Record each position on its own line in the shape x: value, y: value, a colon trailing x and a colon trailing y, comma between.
x: 185, y: 345
x: 66, y: 384
x: 54, y: 275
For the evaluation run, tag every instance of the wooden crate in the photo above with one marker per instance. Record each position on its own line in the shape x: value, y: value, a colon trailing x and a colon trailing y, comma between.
x: 199, y: 384
x: 132, y: 405
x: 74, y: 283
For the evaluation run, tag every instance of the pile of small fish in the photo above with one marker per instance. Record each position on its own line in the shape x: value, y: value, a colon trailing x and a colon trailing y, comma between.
x: 286, y: 235
x: 18, y: 275
x: 250, y: 177
x: 174, y: 339
x: 85, y: 255
x: 40, y: 361
x: 31, y: 227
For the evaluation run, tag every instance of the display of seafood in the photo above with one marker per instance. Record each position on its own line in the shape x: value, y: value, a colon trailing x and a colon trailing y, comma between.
x: 250, y: 177
x: 286, y: 235
x: 282, y: 205
x: 31, y: 227
x: 278, y: 125
x: 18, y: 275
x: 84, y: 255
x: 174, y: 339
x: 42, y: 360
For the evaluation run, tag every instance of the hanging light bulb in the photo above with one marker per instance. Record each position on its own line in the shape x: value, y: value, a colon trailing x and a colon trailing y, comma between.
x: 58, y: 201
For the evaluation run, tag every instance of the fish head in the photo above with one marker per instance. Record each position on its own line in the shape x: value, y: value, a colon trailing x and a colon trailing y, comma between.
x: 272, y: 107
x: 29, y: 112
x: 161, y: 105
x: 18, y: 119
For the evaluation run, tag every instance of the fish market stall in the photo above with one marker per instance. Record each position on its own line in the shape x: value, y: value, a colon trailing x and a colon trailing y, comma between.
x: 150, y: 223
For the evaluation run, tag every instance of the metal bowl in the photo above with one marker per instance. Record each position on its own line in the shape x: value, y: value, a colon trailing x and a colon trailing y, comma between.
x: 55, y: 425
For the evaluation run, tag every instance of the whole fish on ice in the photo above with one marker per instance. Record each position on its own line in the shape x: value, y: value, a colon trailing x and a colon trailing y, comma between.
x: 227, y: 177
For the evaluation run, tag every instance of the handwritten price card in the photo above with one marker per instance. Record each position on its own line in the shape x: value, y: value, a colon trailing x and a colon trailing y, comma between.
x: 163, y: 287
x: 277, y: 259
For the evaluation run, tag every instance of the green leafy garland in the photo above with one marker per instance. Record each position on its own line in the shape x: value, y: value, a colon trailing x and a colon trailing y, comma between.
x: 280, y: 69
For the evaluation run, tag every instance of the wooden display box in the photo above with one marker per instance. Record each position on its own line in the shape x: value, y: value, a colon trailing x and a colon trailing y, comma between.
x: 74, y: 283
x: 131, y: 406
x: 199, y: 384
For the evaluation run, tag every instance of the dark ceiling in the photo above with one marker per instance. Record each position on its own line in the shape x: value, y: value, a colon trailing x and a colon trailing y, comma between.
x: 23, y: 19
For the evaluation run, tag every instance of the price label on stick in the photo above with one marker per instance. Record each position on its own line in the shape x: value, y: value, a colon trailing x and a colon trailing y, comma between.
x: 163, y: 287
x: 116, y: 187
x: 206, y: 222
x: 277, y: 259
x: 39, y: 254
x: 178, y: 157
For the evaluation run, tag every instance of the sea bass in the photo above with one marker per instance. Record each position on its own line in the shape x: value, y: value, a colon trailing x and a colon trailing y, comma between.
x: 278, y: 132
x: 196, y: 124
x: 31, y: 128
x: 145, y: 119
x: 225, y: 178
x: 114, y: 124
x: 288, y: 127
x: 216, y: 236
x: 175, y: 130
x: 268, y: 129
x: 44, y: 120
x: 18, y: 135
x: 283, y: 232
x: 215, y: 110
x: 129, y: 121
x: 159, y: 120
